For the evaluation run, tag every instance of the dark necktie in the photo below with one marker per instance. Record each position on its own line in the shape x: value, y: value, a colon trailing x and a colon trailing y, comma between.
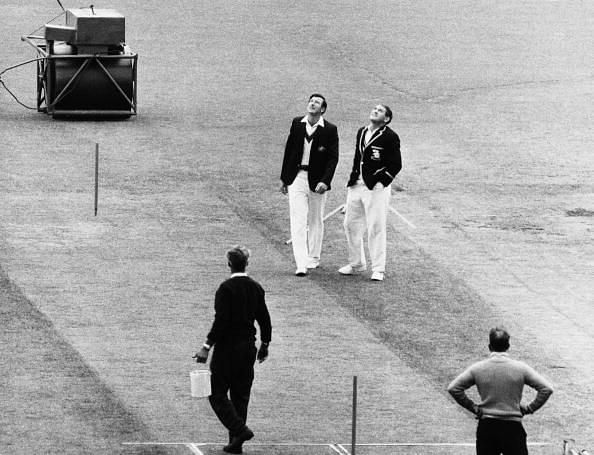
x: 308, y: 138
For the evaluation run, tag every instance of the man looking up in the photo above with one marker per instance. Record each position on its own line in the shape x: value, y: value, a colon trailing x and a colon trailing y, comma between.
x: 309, y: 162
x: 377, y: 161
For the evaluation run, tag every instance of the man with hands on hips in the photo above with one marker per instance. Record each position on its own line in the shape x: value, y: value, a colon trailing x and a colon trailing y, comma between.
x: 239, y: 302
x: 309, y: 162
x: 377, y: 161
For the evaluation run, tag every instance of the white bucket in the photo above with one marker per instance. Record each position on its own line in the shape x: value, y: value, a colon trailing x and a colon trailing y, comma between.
x: 200, y: 383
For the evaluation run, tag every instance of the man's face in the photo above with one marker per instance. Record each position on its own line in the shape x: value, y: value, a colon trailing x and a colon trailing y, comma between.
x: 314, y: 106
x: 378, y: 114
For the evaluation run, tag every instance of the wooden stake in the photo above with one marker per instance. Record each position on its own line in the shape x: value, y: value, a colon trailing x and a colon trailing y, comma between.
x: 96, y: 177
x: 354, y: 425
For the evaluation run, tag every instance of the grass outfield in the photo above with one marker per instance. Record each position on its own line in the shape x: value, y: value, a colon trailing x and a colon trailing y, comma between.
x: 103, y: 313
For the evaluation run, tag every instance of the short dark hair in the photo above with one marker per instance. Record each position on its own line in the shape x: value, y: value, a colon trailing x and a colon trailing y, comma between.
x: 388, y: 112
x: 324, y: 104
x: 237, y: 257
x: 499, y: 339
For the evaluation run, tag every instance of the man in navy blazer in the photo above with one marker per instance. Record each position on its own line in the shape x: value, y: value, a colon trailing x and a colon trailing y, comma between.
x: 377, y: 161
x: 309, y: 162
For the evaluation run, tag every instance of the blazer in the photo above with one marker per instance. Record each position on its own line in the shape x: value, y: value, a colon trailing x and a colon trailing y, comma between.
x: 381, y: 158
x: 323, y: 157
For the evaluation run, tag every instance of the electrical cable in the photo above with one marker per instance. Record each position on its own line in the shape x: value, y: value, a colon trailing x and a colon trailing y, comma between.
x: 48, y: 22
x: 11, y: 68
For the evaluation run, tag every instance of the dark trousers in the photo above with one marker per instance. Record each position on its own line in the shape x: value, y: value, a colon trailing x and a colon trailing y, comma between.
x: 496, y: 437
x: 232, y: 374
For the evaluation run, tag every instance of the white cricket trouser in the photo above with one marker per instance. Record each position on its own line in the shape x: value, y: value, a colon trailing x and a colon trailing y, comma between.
x: 306, y: 209
x: 367, y: 210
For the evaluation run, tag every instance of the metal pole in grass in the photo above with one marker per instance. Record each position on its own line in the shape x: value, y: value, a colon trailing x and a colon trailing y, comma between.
x: 354, y: 425
x: 96, y: 177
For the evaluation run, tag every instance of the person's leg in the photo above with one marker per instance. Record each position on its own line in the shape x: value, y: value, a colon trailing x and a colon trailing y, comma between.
x: 354, y: 227
x: 220, y: 383
x: 242, y: 379
x: 376, y: 206
x: 514, y: 439
x: 298, y: 211
x: 487, y: 439
x: 315, y: 226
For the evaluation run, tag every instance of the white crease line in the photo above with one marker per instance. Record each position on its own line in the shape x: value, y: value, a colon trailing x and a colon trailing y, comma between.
x: 344, y: 451
x: 333, y: 212
x: 195, y: 450
x: 335, y: 447
x: 395, y: 212
x: 338, y: 448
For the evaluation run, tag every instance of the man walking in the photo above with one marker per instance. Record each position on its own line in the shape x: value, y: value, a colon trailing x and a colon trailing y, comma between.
x: 377, y: 161
x: 239, y: 301
x: 309, y: 162
x: 500, y: 381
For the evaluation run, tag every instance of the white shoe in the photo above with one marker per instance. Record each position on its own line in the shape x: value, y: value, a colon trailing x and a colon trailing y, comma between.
x: 377, y: 276
x: 301, y: 272
x: 313, y: 264
x: 350, y: 270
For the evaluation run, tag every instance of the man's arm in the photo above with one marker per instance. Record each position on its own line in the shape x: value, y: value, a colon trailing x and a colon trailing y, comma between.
x: 263, y: 319
x: 332, y: 161
x: 287, y: 156
x: 218, y: 326
x: 393, y: 161
x: 544, y: 390
x: 356, y: 159
x: 457, y: 389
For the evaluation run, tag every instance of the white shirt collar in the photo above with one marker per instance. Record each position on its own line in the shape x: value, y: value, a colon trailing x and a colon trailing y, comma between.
x: 233, y: 275
x: 498, y: 354
x: 318, y: 123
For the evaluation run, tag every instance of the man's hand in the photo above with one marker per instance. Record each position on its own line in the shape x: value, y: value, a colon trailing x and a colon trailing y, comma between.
x: 478, y: 412
x: 283, y: 188
x: 201, y: 356
x: 262, y: 352
x: 321, y: 188
x: 378, y: 186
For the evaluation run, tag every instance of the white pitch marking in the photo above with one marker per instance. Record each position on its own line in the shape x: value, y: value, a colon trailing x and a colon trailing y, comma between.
x: 395, y: 212
x: 338, y: 449
x: 436, y: 444
x: 344, y: 451
x: 333, y: 212
x: 335, y: 446
x: 195, y: 450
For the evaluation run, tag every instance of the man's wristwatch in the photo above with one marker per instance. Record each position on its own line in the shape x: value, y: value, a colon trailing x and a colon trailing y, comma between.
x: 206, y: 346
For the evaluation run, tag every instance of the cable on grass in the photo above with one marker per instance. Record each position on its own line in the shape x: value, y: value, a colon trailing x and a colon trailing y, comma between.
x: 11, y: 68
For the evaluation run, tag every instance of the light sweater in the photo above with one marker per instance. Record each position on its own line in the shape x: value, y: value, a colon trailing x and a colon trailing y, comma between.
x: 500, y: 381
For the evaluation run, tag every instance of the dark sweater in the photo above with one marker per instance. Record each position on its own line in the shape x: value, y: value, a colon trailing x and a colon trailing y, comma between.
x: 239, y: 302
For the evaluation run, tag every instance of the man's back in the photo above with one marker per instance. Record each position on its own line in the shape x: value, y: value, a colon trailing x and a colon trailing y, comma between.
x: 500, y: 381
x: 239, y: 302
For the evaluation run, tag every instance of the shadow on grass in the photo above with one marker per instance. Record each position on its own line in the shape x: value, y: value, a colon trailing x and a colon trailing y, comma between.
x: 52, y: 402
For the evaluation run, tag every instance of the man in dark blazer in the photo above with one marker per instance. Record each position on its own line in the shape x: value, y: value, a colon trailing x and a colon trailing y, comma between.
x: 377, y: 161
x: 309, y: 162
x: 239, y: 302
